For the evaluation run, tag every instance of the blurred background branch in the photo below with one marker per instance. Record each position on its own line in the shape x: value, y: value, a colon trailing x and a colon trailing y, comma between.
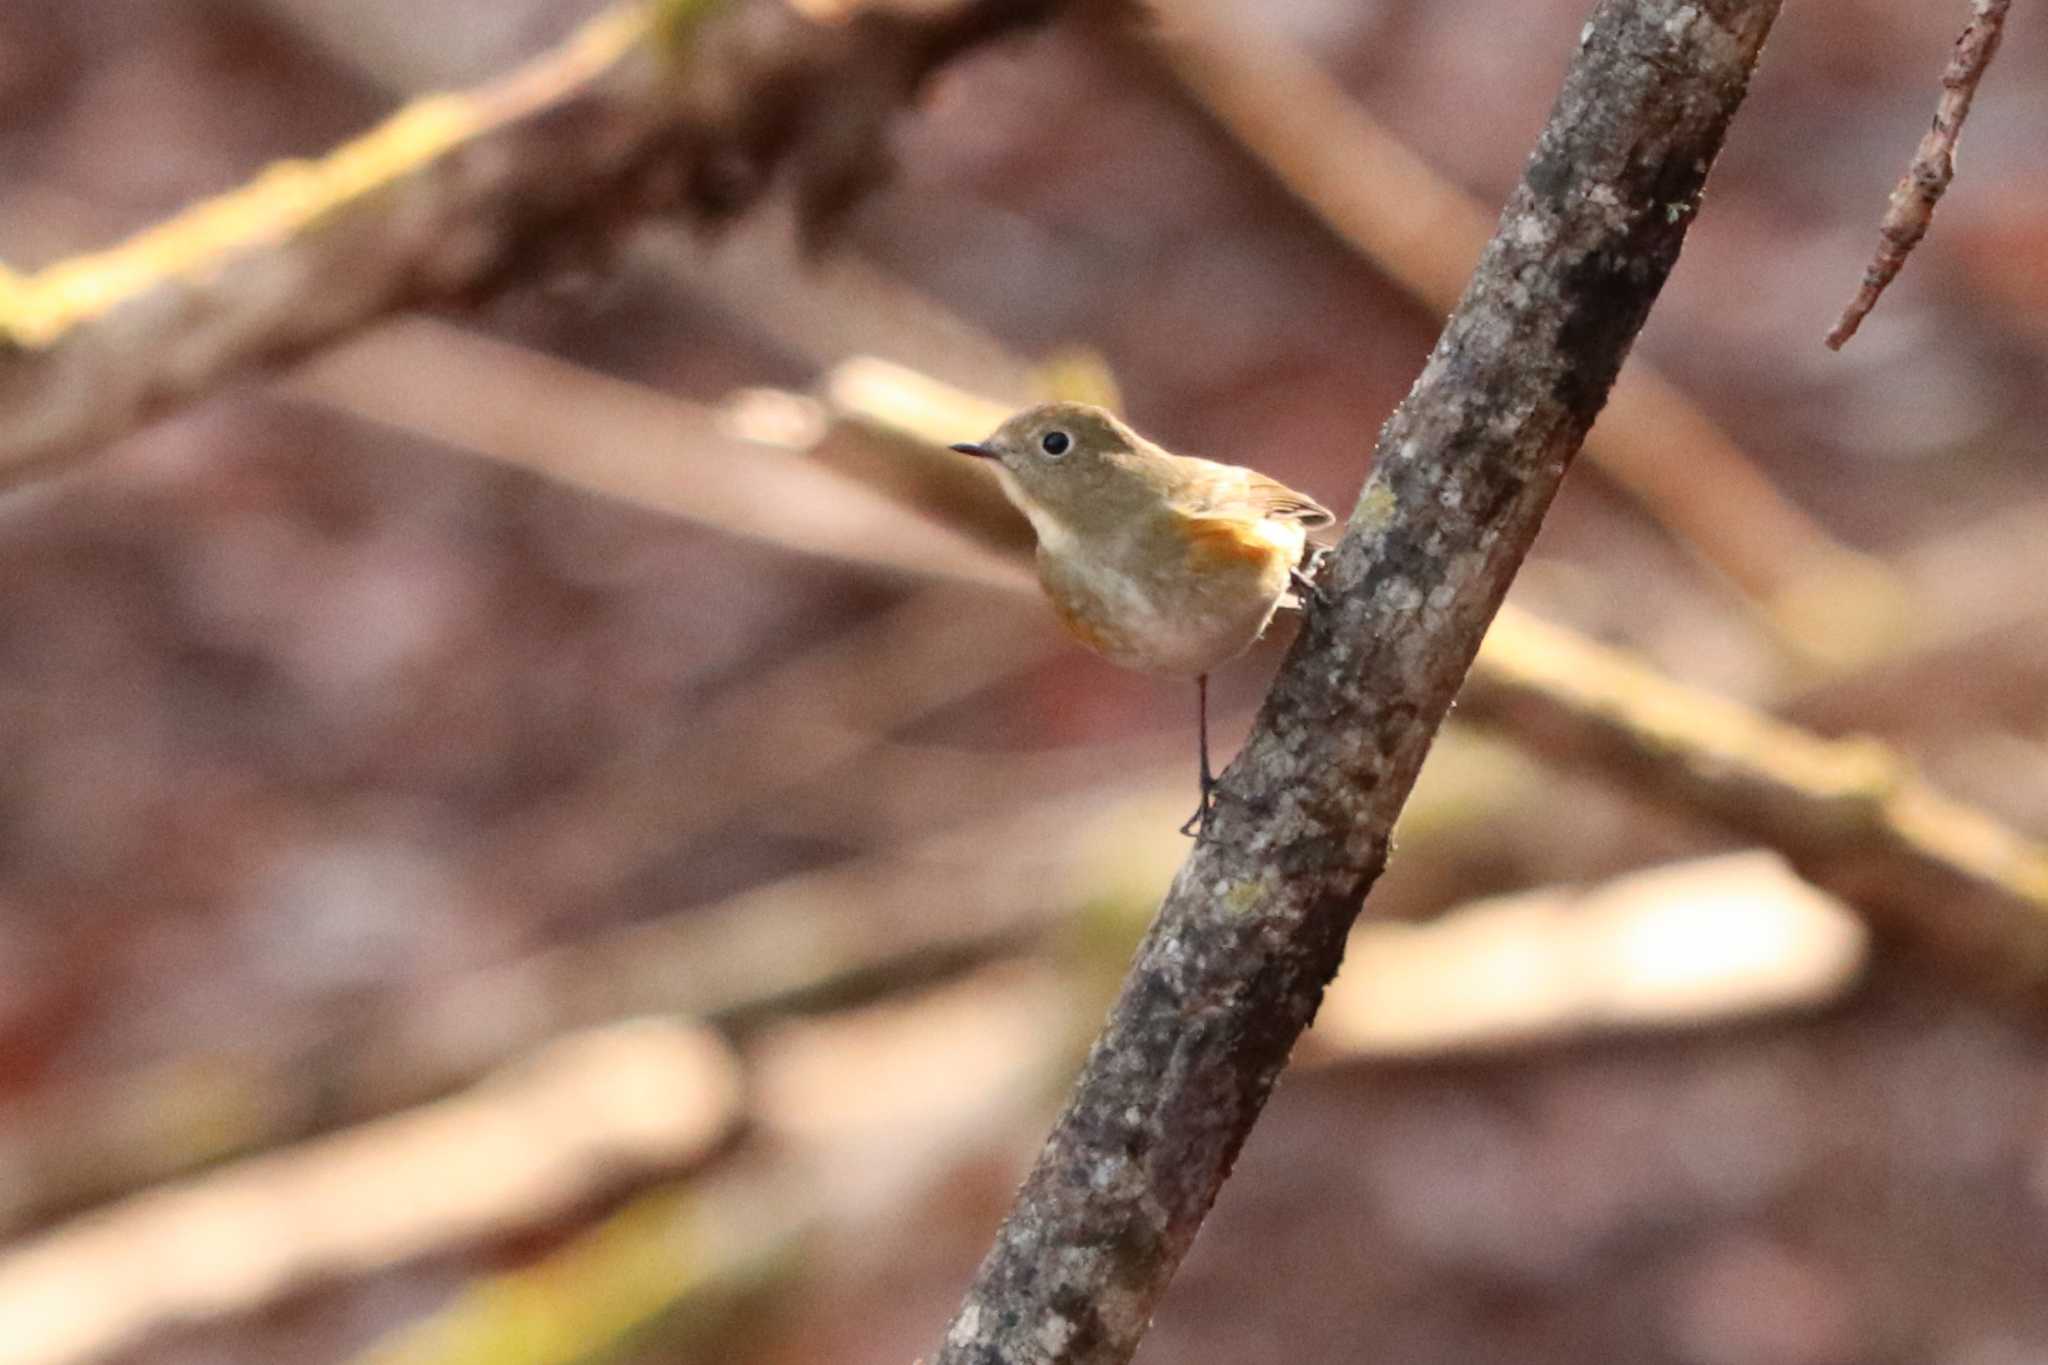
x: 670, y: 107
x: 1943, y: 879
x: 521, y: 1150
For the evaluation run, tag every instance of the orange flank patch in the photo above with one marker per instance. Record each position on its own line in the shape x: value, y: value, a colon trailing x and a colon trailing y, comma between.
x: 1215, y: 544
x: 1085, y: 626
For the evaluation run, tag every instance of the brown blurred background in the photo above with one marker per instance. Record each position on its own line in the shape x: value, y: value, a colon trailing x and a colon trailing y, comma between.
x: 342, y: 762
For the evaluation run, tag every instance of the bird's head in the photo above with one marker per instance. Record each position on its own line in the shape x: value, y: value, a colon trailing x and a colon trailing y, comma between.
x: 1072, y: 460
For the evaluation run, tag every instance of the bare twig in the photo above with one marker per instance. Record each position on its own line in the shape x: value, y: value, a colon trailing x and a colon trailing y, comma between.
x: 1934, y: 164
x: 1389, y: 205
x: 1851, y: 815
x: 672, y: 105
x: 1253, y: 928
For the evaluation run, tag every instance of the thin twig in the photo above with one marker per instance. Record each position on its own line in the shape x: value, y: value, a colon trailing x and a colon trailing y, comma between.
x: 1254, y: 926
x: 1934, y: 164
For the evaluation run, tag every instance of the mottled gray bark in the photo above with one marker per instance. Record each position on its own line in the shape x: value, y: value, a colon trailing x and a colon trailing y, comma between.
x: 1254, y: 925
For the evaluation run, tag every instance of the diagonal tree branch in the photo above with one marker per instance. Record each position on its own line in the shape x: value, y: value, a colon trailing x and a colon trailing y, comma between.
x: 1255, y: 922
x: 656, y: 106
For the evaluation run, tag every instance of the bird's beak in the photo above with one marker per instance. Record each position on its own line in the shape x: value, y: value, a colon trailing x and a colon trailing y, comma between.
x: 980, y: 452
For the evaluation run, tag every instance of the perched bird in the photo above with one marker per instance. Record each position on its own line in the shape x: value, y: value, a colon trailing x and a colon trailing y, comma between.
x: 1155, y: 561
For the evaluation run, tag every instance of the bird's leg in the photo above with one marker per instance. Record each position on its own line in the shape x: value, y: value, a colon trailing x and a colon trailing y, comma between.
x: 1198, y: 824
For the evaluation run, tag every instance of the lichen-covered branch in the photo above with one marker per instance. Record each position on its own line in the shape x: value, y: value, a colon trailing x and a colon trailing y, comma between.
x: 1929, y: 872
x: 669, y: 106
x: 1934, y: 164
x: 1255, y: 922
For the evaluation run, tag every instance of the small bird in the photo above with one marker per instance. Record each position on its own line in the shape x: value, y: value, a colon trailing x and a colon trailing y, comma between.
x: 1156, y: 561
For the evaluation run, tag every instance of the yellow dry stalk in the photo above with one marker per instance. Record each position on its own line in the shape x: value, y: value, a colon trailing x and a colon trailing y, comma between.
x: 37, y: 310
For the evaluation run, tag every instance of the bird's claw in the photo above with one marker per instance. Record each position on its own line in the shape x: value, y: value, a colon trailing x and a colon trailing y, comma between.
x: 1305, y: 574
x: 1306, y: 588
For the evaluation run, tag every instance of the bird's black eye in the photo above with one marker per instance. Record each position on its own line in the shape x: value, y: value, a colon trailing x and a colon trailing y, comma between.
x: 1055, y: 443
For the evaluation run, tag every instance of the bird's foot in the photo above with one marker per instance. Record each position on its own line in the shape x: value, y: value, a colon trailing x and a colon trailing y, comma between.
x: 1197, y: 825
x: 1306, y: 574
x: 1306, y: 588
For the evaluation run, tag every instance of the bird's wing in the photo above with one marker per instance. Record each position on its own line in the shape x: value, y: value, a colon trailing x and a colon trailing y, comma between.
x: 1231, y: 488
